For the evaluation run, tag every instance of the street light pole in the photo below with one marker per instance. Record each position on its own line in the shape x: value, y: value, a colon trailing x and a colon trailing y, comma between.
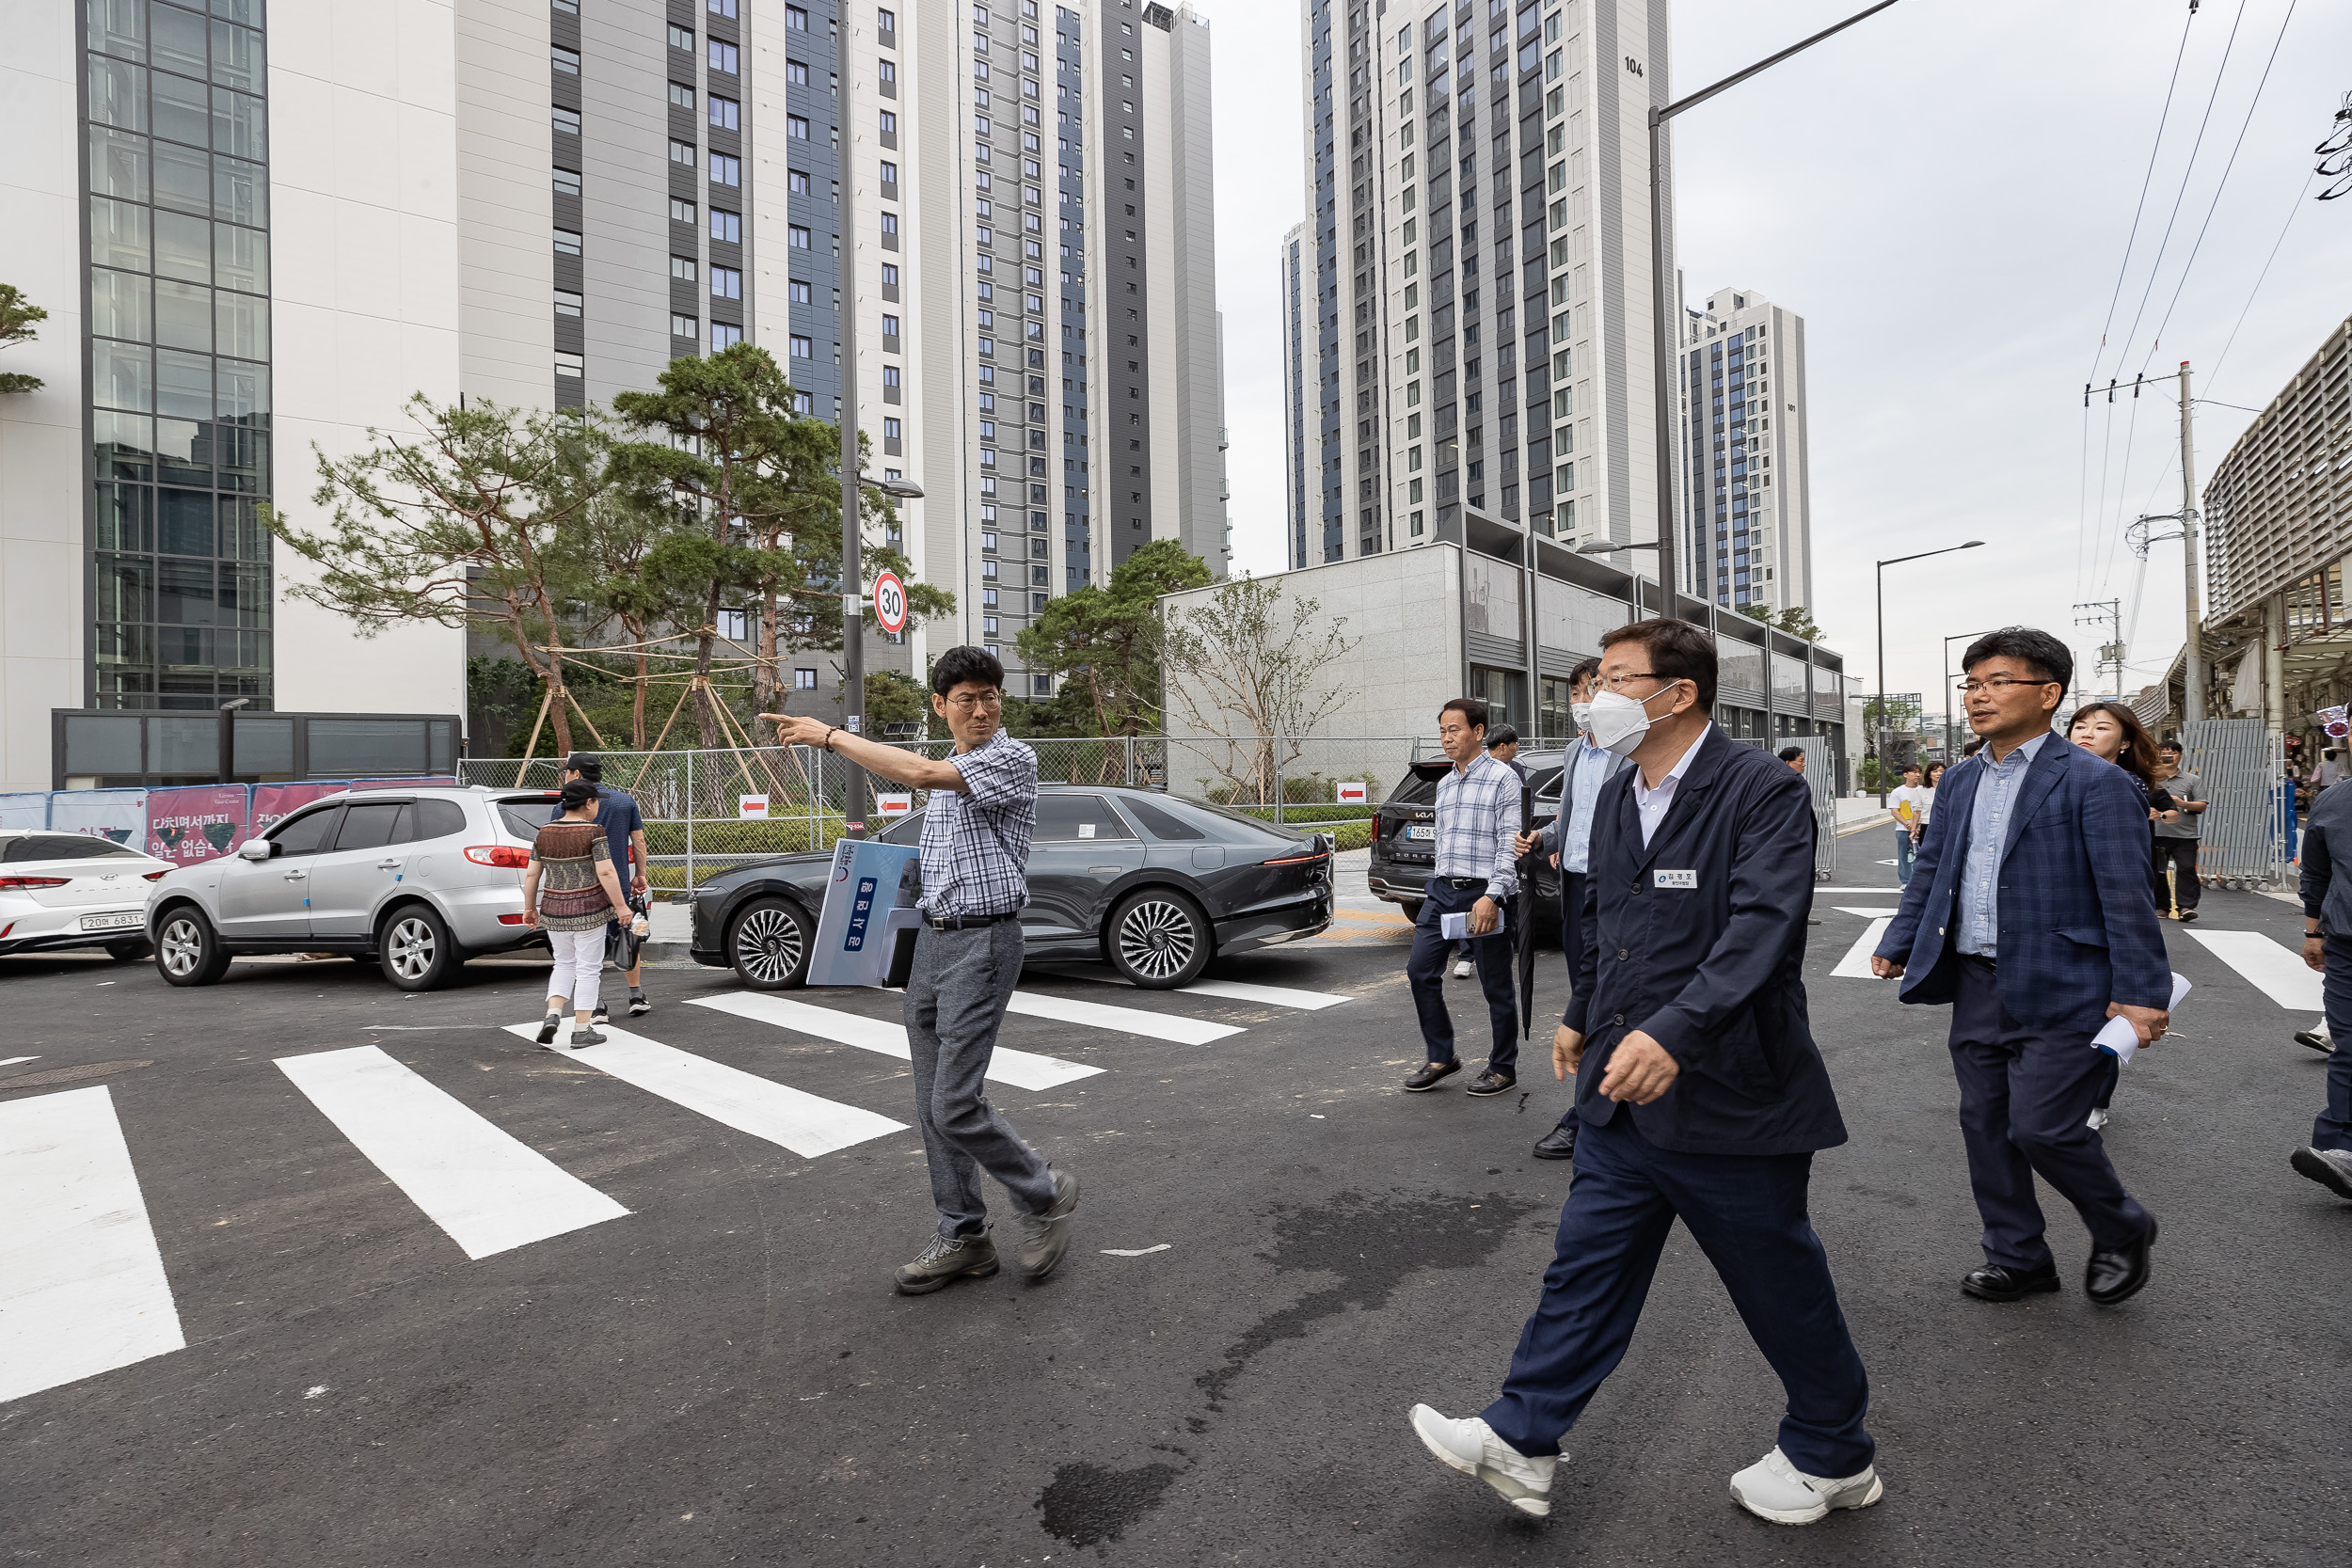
x: 1665, y: 344
x: 1950, y: 734
x: 2192, y: 654
x: 229, y: 738
x: 853, y: 572
x: 1896, y: 560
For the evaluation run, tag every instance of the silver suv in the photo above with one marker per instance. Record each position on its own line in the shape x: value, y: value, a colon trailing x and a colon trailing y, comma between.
x: 419, y: 880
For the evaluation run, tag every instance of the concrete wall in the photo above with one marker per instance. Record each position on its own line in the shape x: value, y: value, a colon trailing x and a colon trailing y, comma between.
x: 42, y: 626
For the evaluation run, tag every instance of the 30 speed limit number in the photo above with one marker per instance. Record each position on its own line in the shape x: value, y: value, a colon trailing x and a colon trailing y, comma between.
x: 890, y: 602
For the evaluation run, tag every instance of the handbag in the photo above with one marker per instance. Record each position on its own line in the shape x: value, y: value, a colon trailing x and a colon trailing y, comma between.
x: 626, y: 944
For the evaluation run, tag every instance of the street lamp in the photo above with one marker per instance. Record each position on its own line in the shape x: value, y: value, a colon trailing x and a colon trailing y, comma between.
x: 1897, y: 561
x: 229, y: 738
x: 1660, y: 281
x: 1609, y: 547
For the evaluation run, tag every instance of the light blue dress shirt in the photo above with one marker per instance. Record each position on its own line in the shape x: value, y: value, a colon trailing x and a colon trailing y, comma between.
x: 1990, y: 821
x: 1585, y: 779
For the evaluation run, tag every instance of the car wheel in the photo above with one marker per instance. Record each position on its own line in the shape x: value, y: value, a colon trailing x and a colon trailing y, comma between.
x: 188, y: 951
x: 770, y: 945
x: 1158, y: 938
x: 417, y: 952
x: 128, y: 950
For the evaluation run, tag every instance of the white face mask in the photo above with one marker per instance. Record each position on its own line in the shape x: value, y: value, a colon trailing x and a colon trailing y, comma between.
x: 1580, y: 714
x: 1619, y: 723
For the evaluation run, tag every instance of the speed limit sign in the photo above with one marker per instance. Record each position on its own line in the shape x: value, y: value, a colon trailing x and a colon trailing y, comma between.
x: 890, y: 602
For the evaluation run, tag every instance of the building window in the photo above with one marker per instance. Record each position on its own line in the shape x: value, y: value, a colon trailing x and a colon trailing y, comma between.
x: 682, y: 38
x: 890, y: 329
x: 567, y: 122
x: 722, y: 7
x: 682, y: 95
x: 570, y: 365
x: 727, y: 283
x: 566, y: 303
x: 726, y: 226
x: 795, y: 19
x: 890, y: 377
x: 887, y: 74
x: 682, y: 152
x: 725, y: 170
x: 682, y: 268
x: 889, y: 172
x: 802, y: 348
x: 796, y: 126
x: 681, y: 211
x: 567, y: 182
x: 725, y: 113
x: 723, y: 56
x: 890, y: 275
x: 804, y: 680
x: 889, y: 124
x: 795, y: 73
x: 799, y: 292
x: 735, y: 624
x: 890, y: 224
x: 566, y: 242
x: 890, y: 430
x: 796, y: 182
x: 564, y: 60
x: 685, y: 326
x: 795, y: 237
x: 723, y: 335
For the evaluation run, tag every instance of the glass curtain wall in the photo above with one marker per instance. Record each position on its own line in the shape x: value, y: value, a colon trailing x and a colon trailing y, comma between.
x: 179, y: 323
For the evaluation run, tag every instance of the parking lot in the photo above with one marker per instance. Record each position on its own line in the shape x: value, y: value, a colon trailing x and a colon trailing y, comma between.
x: 388, y: 1284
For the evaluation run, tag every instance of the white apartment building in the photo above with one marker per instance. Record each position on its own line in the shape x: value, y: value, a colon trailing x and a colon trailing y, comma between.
x: 1482, y: 352
x: 1747, y: 468
x: 259, y: 232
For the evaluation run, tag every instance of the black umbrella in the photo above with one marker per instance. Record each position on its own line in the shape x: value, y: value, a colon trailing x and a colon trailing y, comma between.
x: 1523, y: 940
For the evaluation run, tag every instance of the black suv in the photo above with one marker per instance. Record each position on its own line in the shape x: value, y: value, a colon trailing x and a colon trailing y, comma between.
x: 1403, y: 854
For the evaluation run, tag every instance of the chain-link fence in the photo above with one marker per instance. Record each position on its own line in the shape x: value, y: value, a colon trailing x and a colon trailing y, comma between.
x: 707, y: 810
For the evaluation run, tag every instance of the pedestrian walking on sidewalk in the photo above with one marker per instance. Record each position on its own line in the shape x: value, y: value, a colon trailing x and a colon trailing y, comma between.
x: 1908, y: 807
x: 977, y: 826
x: 2176, y: 833
x: 571, y: 891
x: 2326, y: 890
x: 1502, y: 744
x: 2029, y: 914
x: 624, y: 827
x: 1476, y: 874
x: 1567, y: 840
x: 1702, y: 1094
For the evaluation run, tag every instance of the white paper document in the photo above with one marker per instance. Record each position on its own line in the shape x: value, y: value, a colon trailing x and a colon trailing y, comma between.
x: 1455, y: 928
x: 2119, y: 1039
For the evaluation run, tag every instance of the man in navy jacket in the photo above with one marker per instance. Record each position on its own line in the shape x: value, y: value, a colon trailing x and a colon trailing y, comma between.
x: 2028, y: 912
x: 1702, y: 1094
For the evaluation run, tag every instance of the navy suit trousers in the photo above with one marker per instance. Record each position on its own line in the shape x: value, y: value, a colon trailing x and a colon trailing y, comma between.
x: 1747, y: 1213
x: 1425, y: 972
x: 2026, y: 1095
x: 1572, y: 924
x: 2333, y: 1128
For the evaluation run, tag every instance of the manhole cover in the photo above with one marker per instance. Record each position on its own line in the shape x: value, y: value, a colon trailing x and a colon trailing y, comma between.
x: 67, y: 1075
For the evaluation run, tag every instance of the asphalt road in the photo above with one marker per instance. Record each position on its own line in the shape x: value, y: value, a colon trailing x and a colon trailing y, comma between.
x: 722, y: 1374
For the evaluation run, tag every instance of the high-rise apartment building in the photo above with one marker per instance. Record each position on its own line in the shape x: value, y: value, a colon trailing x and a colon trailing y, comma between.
x: 1479, y: 350
x: 1747, y: 471
x: 259, y: 229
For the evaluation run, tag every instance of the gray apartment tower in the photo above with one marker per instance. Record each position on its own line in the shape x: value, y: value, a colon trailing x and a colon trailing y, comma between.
x: 259, y: 227
x: 1747, y: 462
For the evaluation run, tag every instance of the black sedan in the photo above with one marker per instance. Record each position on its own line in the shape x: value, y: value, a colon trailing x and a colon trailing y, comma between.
x: 1403, y: 847
x: 1150, y: 884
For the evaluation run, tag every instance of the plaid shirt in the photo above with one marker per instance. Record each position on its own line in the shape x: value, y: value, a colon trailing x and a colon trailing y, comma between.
x: 1478, y: 817
x: 975, y: 846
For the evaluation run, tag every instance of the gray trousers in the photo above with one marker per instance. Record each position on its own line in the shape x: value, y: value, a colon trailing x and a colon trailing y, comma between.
x: 956, y: 998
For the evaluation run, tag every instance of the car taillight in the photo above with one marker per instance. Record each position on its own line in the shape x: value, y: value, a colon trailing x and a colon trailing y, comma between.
x: 1295, y: 859
x: 157, y: 875
x: 499, y: 854
x: 34, y: 881
x: 509, y: 920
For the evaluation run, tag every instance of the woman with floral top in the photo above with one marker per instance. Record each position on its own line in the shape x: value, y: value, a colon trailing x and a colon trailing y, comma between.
x: 570, y: 892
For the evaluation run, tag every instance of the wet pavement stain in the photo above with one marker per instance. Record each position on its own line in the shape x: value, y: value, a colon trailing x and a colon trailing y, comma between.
x: 1089, y: 1504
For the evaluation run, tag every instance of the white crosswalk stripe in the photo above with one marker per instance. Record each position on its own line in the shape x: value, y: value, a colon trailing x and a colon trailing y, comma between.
x: 82, y: 1283
x: 491, y: 1191
x: 2270, y: 967
x: 1023, y: 1070
x: 1855, y: 965
x: 1132, y: 1020
x: 1232, y: 990
x: 804, y: 1123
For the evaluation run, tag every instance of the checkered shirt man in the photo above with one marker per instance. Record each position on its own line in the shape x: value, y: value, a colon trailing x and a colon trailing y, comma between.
x: 1478, y: 817
x: 975, y: 846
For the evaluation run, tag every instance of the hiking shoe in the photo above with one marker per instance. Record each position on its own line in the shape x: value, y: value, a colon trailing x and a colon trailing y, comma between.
x: 1771, y: 1488
x: 944, y: 1260
x: 1471, y: 1446
x: 586, y: 1036
x: 2331, y: 1168
x: 547, y: 1027
x: 602, y: 1014
x: 639, y: 1007
x: 1045, y: 1237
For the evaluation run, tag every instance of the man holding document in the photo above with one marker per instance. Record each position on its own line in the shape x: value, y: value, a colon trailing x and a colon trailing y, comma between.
x: 2026, y: 912
x: 1476, y: 875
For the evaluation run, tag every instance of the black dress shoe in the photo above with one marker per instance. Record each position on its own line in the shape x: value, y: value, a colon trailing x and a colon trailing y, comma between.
x: 1427, y: 1078
x: 1558, y: 1144
x: 1999, y: 1282
x: 1491, y: 1081
x: 2111, y: 1278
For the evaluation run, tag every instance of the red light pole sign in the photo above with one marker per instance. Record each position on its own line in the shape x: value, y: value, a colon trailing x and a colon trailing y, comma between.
x: 890, y: 603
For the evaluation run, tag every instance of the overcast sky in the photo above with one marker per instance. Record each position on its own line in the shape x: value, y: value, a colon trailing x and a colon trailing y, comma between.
x: 1943, y: 194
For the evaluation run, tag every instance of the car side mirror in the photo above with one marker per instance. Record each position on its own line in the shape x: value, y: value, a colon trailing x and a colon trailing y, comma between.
x: 256, y: 850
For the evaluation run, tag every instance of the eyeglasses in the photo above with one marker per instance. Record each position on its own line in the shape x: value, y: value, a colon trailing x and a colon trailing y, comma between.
x: 991, y: 700
x: 1998, y: 684
x: 1616, y: 682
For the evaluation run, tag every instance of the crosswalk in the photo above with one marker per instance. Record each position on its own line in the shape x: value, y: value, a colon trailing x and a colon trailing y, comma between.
x: 84, y: 1286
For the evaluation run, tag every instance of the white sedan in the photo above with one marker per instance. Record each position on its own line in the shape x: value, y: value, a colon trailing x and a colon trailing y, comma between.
x: 61, y: 890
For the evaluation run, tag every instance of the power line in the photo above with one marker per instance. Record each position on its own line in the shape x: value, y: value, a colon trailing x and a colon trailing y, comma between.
x: 2212, y: 374
x: 2243, y: 127
x: 2123, y: 266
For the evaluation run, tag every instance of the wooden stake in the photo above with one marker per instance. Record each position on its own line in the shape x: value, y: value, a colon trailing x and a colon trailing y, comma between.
x: 533, y: 744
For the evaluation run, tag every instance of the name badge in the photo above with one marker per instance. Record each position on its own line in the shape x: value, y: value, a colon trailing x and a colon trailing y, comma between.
x: 1676, y: 879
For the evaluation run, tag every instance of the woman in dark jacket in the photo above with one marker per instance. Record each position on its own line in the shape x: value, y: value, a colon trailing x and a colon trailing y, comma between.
x: 2327, y: 948
x: 2112, y: 731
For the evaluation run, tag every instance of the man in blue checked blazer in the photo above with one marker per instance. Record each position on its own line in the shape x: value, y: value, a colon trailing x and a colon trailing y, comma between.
x: 2029, y: 911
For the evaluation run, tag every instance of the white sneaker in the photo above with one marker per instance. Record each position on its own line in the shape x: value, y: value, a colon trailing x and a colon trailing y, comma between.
x: 1471, y: 1447
x: 2097, y: 1120
x: 1771, y: 1488
x: 1464, y: 969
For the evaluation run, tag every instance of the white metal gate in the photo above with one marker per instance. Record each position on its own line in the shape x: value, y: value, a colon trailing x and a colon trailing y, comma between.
x: 2242, y: 837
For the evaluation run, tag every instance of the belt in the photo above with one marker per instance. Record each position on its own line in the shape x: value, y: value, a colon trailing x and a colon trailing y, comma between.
x: 1977, y: 959
x: 1463, y: 882
x: 966, y: 922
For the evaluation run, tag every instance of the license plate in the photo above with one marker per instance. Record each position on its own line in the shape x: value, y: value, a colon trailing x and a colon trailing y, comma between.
x: 1420, y: 830
x: 113, y: 922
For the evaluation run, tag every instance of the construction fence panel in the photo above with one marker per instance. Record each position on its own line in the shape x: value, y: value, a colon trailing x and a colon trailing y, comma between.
x: 2242, y: 834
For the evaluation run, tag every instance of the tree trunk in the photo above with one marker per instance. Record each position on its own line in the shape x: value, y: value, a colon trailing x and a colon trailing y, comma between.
x: 637, y: 705
x: 763, y: 672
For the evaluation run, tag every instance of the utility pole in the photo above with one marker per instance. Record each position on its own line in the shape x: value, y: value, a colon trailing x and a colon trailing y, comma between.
x: 2111, y: 652
x: 852, y: 573
x: 2193, y: 659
